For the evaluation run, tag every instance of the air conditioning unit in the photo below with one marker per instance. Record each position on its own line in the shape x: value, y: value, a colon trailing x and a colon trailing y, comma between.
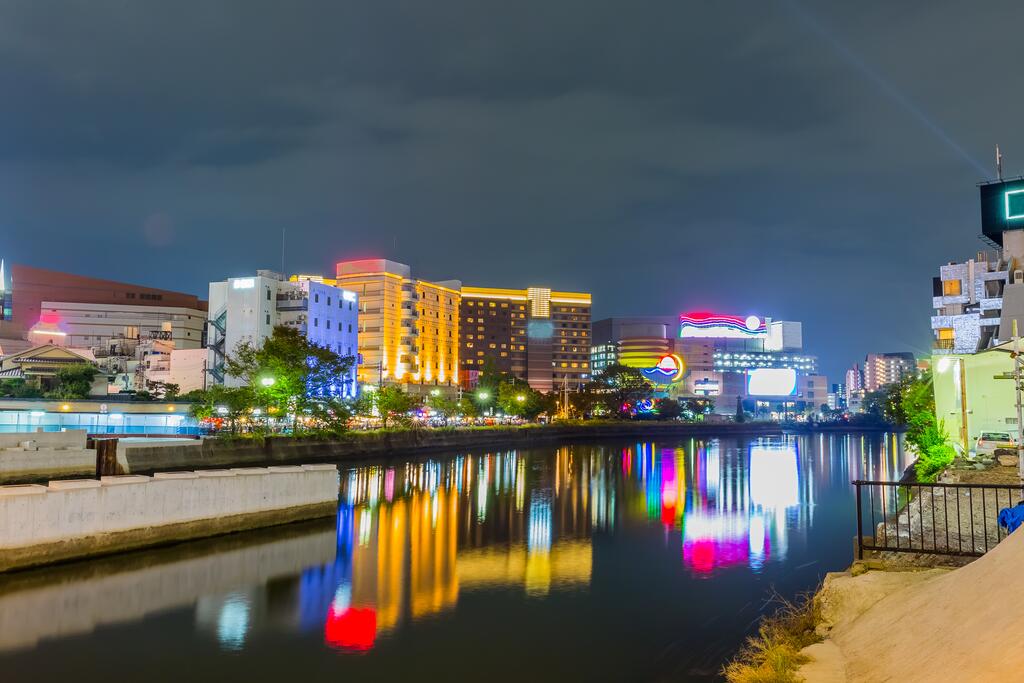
x: 1018, y: 277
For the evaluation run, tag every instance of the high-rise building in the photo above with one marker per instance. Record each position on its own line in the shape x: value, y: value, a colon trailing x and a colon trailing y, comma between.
x: 882, y: 369
x: 408, y: 328
x: 536, y: 334
x: 247, y: 309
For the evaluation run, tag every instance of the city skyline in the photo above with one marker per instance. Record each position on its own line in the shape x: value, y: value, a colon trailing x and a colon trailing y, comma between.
x: 599, y: 148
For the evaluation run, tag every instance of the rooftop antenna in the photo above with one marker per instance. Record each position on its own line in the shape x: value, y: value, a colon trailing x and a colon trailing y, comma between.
x: 999, y: 163
x: 283, y: 274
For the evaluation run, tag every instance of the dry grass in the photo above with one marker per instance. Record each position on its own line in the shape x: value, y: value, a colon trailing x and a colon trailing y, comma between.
x: 773, y: 655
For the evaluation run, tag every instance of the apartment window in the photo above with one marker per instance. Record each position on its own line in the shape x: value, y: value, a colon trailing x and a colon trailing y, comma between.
x: 328, y: 324
x: 951, y: 288
x: 268, y: 318
x: 316, y: 322
x: 350, y: 327
x: 316, y: 298
x: 945, y: 333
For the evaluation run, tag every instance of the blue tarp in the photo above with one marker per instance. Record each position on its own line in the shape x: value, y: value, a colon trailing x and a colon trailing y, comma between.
x: 1011, y: 518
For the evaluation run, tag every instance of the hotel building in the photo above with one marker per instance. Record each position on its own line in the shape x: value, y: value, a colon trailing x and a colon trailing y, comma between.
x: 408, y: 328
x: 882, y: 369
x: 535, y: 334
x: 247, y: 309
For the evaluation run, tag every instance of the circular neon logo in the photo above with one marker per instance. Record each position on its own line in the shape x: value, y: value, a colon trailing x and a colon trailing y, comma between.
x: 753, y: 322
x: 669, y: 368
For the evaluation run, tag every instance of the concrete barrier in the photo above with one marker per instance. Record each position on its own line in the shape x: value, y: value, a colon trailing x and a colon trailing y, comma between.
x: 73, y: 519
x: 44, y: 454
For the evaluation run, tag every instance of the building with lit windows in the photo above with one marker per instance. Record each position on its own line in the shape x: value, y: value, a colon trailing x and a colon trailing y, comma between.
x: 882, y: 369
x: 247, y: 309
x: 755, y: 360
x: 408, y: 328
x: 536, y: 334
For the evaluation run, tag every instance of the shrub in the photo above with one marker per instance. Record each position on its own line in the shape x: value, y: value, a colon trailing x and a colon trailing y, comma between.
x: 933, y: 460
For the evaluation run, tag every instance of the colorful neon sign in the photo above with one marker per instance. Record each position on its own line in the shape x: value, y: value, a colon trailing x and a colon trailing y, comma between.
x: 670, y: 368
x: 715, y: 326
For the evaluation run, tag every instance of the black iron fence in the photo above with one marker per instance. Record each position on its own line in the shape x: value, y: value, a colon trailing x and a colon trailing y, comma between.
x: 935, y: 519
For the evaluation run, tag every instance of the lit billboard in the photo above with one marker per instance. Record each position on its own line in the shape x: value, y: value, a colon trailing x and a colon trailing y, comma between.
x: 771, y: 382
x: 1002, y: 208
x: 670, y: 368
x: 716, y: 326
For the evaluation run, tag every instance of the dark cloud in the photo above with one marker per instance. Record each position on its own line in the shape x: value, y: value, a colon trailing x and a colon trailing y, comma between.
x: 814, y: 162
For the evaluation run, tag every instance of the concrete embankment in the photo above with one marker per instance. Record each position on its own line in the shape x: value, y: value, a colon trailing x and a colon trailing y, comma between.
x: 73, y: 519
x: 45, y: 454
x: 406, y: 443
x: 935, y: 625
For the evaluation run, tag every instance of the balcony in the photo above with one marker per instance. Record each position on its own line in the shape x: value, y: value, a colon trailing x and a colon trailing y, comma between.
x: 943, y: 345
x: 290, y: 302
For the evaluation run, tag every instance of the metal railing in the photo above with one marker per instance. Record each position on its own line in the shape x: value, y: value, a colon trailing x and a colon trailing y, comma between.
x: 933, y: 519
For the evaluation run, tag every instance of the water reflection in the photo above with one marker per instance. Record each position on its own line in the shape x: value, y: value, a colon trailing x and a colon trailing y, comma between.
x: 413, y: 539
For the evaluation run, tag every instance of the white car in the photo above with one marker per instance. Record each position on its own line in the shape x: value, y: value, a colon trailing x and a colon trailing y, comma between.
x: 988, y: 442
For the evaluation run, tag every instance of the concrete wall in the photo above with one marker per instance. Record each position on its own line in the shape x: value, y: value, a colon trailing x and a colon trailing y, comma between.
x: 44, y: 454
x: 71, y: 519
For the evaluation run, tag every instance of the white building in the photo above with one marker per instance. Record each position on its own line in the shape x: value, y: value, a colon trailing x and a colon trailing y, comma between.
x: 249, y: 308
x: 98, y: 326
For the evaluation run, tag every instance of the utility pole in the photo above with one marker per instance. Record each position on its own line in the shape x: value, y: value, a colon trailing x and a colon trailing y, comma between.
x: 1016, y: 385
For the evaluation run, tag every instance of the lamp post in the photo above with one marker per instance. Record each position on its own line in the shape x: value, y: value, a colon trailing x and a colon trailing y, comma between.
x: 267, y: 382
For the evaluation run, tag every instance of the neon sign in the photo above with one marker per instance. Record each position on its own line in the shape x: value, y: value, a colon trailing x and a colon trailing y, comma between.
x: 1017, y: 209
x: 715, y: 326
x: 669, y: 368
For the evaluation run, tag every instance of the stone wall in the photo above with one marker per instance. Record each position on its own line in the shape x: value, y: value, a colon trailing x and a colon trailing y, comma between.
x: 78, y: 518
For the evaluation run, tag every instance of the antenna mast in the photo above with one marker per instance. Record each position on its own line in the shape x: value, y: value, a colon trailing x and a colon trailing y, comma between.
x: 999, y: 163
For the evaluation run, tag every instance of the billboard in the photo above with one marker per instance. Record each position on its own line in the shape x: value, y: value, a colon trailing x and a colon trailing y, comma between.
x: 771, y: 382
x: 1002, y: 208
x: 717, y: 326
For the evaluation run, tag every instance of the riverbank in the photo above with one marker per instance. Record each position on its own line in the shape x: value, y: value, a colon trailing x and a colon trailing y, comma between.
x: 405, y: 443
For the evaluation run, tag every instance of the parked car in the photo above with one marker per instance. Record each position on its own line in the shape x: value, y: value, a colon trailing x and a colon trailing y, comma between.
x: 988, y: 442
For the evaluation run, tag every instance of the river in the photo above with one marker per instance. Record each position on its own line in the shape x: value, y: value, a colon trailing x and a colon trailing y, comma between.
x: 586, y: 562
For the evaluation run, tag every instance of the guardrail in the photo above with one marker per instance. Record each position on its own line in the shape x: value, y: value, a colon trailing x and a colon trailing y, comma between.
x: 933, y: 519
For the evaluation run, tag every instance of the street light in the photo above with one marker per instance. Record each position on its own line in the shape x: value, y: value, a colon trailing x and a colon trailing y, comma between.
x: 267, y: 381
x: 483, y: 395
x: 520, y: 398
x: 435, y: 392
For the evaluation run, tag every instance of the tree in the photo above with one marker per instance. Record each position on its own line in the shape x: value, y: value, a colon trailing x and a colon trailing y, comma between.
x: 393, y: 404
x: 73, y: 381
x: 669, y: 409
x: 226, y: 403
x: 520, y: 400
x: 444, y: 406
x: 291, y: 374
x: 19, y: 388
x: 166, y: 390
x: 620, y: 388
x: 468, y: 407
x: 692, y: 407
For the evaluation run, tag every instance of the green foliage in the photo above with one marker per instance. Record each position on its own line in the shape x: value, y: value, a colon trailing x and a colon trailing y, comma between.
x: 445, y: 406
x: 19, y: 388
x: 393, y: 405
x: 669, y: 409
x: 290, y: 374
x: 517, y: 398
x: 619, y: 388
x: 73, y: 381
x: 228, y: 403
x: 931, y: 462
x: 467, y: 407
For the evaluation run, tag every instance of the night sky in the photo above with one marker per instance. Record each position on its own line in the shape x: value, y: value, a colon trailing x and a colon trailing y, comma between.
x: 813, y: 162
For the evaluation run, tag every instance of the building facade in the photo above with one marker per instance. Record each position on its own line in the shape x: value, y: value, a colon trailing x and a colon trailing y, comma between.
x: 247, y: 309
x: 408, y: 331
x: 538, y: 335
x: 883, y: 369
x: 99, y: 326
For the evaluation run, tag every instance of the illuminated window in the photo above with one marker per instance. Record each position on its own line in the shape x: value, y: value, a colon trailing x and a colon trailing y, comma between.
x: 951, y: 288
x: 945, y: 333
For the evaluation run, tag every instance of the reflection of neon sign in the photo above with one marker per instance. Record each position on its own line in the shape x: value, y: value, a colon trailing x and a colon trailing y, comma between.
x: 669, y: 369
x: 711, y: 325
x: 351, y: 629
